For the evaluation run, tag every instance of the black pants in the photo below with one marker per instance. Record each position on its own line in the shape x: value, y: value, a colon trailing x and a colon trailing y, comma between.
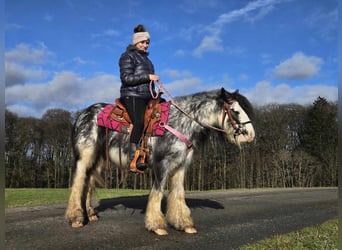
x: 136, y: 109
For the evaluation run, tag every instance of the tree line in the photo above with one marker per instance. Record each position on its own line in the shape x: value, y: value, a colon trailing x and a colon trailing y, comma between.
x: 295, y: 146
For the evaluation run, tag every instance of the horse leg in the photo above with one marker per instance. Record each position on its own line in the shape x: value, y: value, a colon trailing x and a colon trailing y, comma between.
x: 95, y: 176
x: 75, y: 209
x: 178, y: 213
x: 154, y: 218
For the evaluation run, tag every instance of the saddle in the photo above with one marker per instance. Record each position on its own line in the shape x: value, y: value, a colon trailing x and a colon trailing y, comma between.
x: 117, y: 118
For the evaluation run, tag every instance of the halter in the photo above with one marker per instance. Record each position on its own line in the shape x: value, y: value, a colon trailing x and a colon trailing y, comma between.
x: 227, y: 110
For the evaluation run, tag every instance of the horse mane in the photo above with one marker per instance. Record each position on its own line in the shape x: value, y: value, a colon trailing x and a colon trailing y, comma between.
x: 244, y: 103
x: 222, y: 95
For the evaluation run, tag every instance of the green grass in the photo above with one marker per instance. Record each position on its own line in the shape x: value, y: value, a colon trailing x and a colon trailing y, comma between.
x: 17, y: 197
x: 324, y: 236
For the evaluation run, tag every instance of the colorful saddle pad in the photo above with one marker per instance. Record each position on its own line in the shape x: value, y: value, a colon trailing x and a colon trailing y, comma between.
x: 105, y: 119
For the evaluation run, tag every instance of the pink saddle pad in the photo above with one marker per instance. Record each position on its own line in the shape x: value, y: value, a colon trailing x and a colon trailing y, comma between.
x: 104, y: 119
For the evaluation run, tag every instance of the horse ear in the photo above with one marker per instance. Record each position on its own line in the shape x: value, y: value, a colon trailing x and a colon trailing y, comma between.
x: 236, y: 91
x: 225, y: 92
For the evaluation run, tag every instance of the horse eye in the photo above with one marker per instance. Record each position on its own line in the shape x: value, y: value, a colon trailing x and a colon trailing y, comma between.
x: 235, y: 115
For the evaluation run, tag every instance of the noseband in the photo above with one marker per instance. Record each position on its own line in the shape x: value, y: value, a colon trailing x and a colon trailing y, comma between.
x: 237, y: 125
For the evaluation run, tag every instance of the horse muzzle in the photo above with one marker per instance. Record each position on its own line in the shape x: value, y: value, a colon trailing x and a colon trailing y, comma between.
x: 245, y: 134
x: 245, y: 138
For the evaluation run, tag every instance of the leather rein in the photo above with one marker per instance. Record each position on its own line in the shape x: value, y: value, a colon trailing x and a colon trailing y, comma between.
x: 227, y: 110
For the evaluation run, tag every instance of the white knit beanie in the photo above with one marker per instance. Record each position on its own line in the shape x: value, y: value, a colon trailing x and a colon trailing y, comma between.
x: 140, y: 36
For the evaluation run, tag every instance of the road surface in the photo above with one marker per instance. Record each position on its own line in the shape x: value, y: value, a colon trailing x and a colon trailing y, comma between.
x: 224, y: 220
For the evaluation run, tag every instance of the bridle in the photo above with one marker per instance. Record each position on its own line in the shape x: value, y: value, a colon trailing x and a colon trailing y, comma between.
x: 236, y: 124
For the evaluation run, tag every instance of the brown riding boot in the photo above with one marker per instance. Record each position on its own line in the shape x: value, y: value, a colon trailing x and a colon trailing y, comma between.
x: 141, y: 166
x: 137, y: 165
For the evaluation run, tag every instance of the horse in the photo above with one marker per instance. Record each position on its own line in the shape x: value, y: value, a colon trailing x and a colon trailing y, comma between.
x: 230, y: 113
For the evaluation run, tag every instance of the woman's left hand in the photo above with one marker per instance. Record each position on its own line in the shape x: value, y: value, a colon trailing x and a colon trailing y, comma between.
x: 154, y: 78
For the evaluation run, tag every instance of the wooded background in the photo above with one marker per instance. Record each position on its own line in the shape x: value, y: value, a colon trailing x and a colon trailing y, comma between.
x: 295, y: 146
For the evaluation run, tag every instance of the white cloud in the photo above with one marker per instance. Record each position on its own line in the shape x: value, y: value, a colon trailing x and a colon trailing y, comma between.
x: 69, y: 91
x: 66, y: 90
x: 264, y: 93
x: 212, y: 40
x: 25, y: 53
x: 264, y: 7
x: 298, y: 67
x: 261, y: 13
x: 30, y: 90
x: 17, y: 74
x: 209, y: 43
x: 22, y: 63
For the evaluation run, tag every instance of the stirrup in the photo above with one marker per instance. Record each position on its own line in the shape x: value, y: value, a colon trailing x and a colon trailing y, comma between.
x: 138, y: 164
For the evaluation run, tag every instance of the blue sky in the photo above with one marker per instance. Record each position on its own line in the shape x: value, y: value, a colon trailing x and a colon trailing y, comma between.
x: 64, y: 54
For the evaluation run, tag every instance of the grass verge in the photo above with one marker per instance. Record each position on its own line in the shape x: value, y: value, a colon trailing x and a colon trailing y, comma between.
x: 324, y: 236
x: 17, y: 197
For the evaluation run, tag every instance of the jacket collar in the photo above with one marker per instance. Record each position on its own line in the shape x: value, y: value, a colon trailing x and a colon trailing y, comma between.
x: 133, y: 48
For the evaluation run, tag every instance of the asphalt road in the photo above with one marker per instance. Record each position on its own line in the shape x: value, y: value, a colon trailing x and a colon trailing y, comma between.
x: 224, y: 220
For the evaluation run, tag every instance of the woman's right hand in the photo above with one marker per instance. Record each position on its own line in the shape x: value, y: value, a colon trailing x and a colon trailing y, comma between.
x: 154, y: 78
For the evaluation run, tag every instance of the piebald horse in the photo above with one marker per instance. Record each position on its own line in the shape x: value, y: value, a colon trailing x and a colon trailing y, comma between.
x: 228, y: 112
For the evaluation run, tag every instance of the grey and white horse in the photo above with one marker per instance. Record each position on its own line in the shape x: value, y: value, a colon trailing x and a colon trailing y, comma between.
x: 170, y: 156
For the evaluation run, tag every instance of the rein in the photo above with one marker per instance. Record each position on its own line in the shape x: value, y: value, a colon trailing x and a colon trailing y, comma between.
x: 226, y: 110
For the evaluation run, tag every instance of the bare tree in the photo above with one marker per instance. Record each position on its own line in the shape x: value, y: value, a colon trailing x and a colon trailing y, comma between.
x: 57, y: 147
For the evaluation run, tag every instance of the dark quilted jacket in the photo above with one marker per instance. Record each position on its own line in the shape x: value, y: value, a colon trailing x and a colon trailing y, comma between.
x: 135, y: 68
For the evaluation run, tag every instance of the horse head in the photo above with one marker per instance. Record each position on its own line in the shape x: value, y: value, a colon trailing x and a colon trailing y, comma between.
x: 238, y: 116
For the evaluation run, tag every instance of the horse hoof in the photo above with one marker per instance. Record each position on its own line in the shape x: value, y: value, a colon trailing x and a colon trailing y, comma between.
x: 93, y: 217
x: 190, y: 230
x: 160, y: 231
x: 77, y: 224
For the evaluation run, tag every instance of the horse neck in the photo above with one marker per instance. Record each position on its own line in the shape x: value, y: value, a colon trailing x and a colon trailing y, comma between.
x: 202, y: 109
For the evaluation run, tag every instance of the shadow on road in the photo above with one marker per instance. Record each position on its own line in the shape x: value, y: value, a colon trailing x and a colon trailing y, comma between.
x: 140, y: 202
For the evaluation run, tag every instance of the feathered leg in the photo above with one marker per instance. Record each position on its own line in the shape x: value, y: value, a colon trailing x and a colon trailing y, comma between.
x: 75, y: 212
x: 94, y: 177
x: 178, y: 213
x: 154, y: 218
